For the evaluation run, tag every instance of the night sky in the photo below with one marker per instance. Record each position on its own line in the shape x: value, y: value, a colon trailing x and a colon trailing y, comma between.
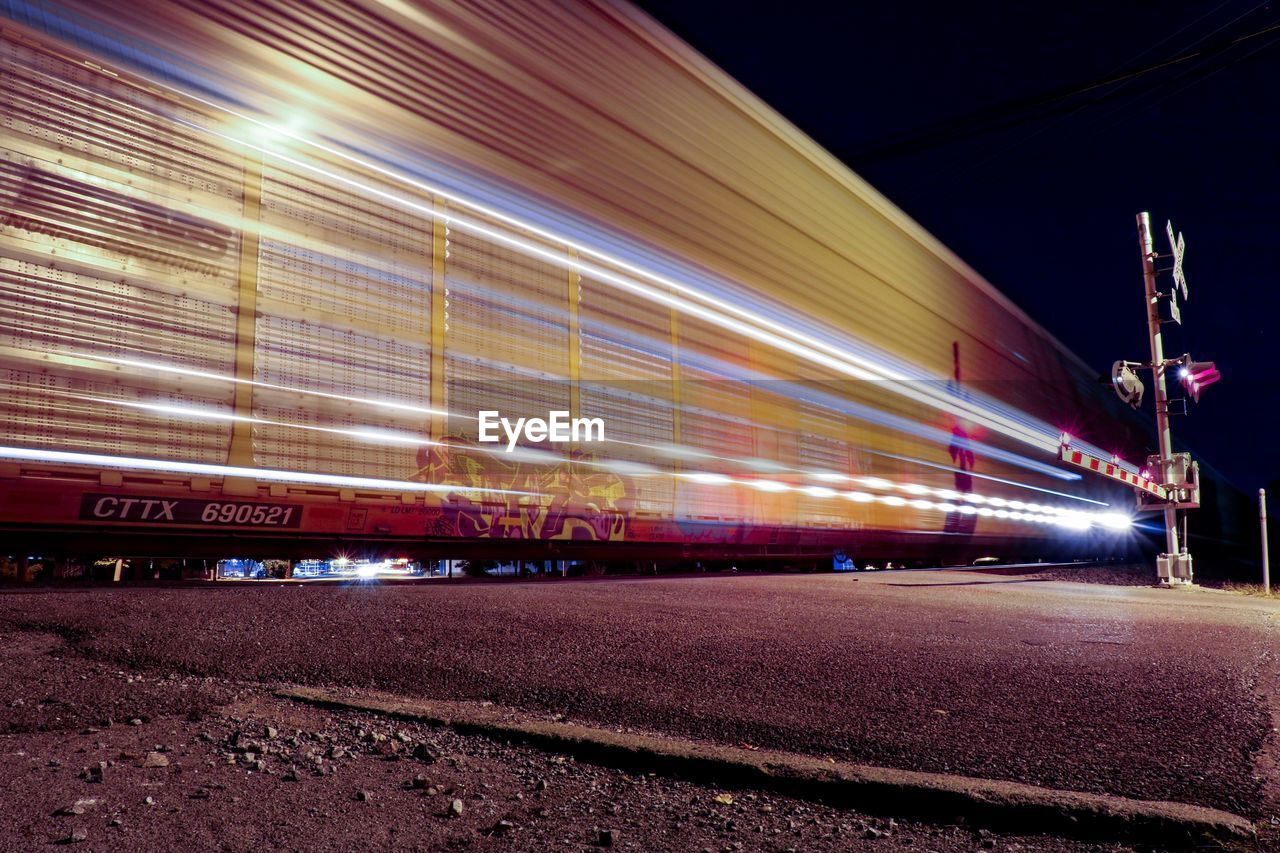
x: 969, y: 119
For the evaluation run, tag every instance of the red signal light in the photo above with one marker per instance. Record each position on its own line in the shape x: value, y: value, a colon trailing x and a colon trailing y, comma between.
x: 1195, y: 376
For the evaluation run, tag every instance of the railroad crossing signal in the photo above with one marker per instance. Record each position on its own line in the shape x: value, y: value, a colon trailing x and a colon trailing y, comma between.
x: 1170, y: 481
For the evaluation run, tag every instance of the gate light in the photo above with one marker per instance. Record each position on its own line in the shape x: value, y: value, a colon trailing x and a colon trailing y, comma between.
x: 1195, y: 376
x: 1128, y: 386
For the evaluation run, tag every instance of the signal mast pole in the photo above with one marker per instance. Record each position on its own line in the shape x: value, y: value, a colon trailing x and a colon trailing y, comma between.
x: 1177, y: 485
x: 1147, y: 250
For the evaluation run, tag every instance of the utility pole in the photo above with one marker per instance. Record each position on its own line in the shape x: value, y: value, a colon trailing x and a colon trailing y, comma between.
x: 1147, y: 250
x: 1262, y: 519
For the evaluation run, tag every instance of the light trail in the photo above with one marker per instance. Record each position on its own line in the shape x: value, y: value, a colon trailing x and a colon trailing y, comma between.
x: 623, y: 467
x: 989, y: 477
x: 672, y: 451
x: 805, y: 347
x: 1073, y: 520
x: 218, y: 377
x: 370, y: 434
x: 796, y: 343
x: 267, y: 474
x: 975, y: 504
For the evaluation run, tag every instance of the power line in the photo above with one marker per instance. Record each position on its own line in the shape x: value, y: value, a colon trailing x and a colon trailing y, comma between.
x: 1021, y: 110
x: 1187, y: 78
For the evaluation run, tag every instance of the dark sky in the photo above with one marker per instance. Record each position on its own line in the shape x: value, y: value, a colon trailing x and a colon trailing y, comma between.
x: 1039, y: 194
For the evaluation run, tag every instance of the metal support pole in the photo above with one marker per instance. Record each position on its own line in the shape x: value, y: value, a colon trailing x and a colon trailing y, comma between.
x: 1145, y: 247
x: 1262, y: 519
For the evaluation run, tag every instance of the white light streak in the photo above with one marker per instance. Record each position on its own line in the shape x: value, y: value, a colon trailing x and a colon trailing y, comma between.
x: 708, y: 478
x: 798, y: 343
x: 1114, y: 520
x: 364, y: 433
x: 875, y: 483
x: 795, y: 341
x: 266, y: 474
x: 1073, y: 519
x: 218, y: 377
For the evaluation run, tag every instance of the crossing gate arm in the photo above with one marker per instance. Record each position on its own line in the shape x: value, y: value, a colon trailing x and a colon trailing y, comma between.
x: 1107, y: 468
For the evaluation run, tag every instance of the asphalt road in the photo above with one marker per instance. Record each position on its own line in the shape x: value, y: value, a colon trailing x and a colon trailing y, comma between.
x: 1128, y: 690
x: 258, y: 773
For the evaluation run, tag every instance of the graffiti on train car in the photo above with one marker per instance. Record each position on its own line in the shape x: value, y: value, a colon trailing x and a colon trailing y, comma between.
x: 41, y: 202
x: 962, y: 458
x: 563, y: 501
x: 961, y: 451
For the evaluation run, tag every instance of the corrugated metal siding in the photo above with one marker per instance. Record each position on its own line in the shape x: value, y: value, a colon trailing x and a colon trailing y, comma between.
x: 507, y: 347
x: 344, y: 307
x: 626, y: 371
x: 119, y: 240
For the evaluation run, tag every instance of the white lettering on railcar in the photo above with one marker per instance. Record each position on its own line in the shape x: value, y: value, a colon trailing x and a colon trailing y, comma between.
x: 140, y: 509
x: 557, y: 428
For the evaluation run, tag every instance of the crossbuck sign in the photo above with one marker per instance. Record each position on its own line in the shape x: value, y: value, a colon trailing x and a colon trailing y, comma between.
x: 1179, y: 247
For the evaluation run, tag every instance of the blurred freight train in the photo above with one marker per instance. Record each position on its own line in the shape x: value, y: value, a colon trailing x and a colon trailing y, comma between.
x: 265, y: 264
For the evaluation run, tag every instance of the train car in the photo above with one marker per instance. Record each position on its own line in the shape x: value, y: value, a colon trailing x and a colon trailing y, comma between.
x: 280, y: 279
